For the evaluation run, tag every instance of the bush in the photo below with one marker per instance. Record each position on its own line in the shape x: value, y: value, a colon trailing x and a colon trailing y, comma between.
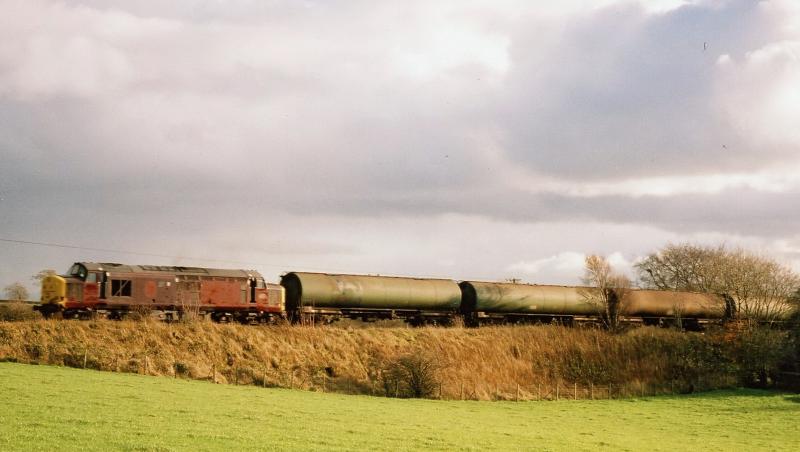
x: 140, y: 313
x: 412, y: 375
x: 17, y: 311
x: 793, y: 360
x: 579, y: 366
x: 759, y: 353
x: 695, y: 361
x: 181, y: 368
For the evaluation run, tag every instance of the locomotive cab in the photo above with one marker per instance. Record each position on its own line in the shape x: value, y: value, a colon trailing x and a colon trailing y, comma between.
x: 58, y: 290
x: 61, y: 292
x: 76, y: 278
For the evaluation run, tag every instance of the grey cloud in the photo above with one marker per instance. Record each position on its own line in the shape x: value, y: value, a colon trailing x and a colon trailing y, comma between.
x: 622, y: 93
x: 738, y: 212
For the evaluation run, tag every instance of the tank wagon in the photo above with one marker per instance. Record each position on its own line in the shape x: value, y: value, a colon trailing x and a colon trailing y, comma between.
x: 326, y: 297
x: 765, y: 310
x: 114, y: 290
x: 313, y: 297
x: 689, y: 309
x: 492, y: 302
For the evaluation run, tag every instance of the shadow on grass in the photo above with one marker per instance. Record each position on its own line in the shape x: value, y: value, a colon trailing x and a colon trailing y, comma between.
x: 793, y: 398
x: 728, y: 393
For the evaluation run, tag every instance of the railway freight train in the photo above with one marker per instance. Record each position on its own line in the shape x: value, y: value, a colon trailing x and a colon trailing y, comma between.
x: 115, y: 290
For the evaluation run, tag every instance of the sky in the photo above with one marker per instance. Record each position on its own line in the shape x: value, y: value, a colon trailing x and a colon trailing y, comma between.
x: 461, y: 139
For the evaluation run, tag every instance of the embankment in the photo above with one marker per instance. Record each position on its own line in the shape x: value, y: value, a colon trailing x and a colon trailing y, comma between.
x: 485, y: 363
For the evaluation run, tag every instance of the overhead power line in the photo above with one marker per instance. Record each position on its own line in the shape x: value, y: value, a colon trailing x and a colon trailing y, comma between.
x: 135, y: 253
x: 191, y: 258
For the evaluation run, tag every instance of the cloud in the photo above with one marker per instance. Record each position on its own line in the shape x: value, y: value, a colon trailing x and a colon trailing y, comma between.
x: 621, y: 93
x: 566, y: 266
x: 566, y: 262
x: 52, y: 50
x: 760, y: 93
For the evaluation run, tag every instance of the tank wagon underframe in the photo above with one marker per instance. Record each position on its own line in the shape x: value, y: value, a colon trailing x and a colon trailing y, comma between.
x: 311, y: 315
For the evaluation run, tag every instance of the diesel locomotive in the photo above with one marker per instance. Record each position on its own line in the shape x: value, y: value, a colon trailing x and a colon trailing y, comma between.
x: 115, y: 290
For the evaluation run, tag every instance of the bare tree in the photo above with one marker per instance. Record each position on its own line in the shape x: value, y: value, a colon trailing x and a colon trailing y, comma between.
x: 760, y: 286
x: 683, y: 267
x: 189, y: 302
x: 38, y: 277
x: 16, y: 292
x: 606, y: 290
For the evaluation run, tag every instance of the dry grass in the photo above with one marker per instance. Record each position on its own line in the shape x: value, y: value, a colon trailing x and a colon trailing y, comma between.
x: 485, y: 363
x: 11, y: 311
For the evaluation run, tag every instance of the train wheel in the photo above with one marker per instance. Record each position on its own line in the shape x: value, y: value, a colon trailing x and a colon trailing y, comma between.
x: 51, y: 311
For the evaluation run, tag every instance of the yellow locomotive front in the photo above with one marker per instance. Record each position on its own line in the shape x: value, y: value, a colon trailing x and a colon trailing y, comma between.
x: 54, y: 295
x: 54, y: 290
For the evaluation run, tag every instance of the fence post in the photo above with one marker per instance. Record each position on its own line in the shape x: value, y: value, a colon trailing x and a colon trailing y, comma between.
x: 516, y: 398
x: 539, y: 392
x: 558, y: 387
x: 591, y: 390
x: 85, y: 353
x: 440, y: 390
x: 264, y: 379
x: 609, y: 390
x: 575, y: 392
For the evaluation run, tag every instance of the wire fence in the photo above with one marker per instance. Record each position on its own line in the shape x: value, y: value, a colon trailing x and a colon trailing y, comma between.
x: 324, y: 380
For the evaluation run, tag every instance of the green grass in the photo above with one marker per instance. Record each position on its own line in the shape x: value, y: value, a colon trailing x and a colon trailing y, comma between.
x: 50, y: 408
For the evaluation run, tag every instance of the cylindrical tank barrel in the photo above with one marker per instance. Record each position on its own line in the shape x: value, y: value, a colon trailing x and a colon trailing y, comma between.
x: 325, y: 290
x: 763, y: 309
x: 659, y: 303
x: 525, y: 299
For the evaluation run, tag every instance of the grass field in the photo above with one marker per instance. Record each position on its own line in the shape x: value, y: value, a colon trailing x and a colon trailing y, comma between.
x: 52, y: 408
